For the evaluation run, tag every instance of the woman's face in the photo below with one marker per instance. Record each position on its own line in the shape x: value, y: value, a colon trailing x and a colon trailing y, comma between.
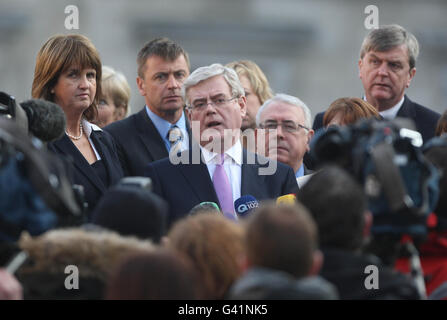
x: 337, y: 120
x: 106, y: 112
x: 75, y: 89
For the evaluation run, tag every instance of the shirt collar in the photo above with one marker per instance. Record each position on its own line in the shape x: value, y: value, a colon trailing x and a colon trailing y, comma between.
x: 163, y: 126
x: 89, y: 127
x: 234, y: 153
x: 391, y: 113
x: 300, y: 171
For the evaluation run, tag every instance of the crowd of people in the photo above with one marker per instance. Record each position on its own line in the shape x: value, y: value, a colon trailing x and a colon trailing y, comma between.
x: 210, y: 191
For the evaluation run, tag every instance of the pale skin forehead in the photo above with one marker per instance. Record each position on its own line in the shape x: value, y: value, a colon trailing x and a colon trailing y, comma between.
x: 396, y: 54
x: 209, y: 88
x: 279, y: 110
x: 155, y: 64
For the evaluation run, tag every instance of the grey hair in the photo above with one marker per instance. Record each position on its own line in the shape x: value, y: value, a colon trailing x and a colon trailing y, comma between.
x: 216, y: 69
x: 388, y: 37
x: 294, y: 101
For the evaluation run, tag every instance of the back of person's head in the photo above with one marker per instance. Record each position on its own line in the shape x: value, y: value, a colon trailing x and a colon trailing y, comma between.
x: 159, y: 275
x: 282, y: 237
x: 255, y: 76
x: 338, y: 205
x: 214, y: 244
x: 349, y: 111
x: 437, y: 154
x: 116, y: 87
x: 441, y: 126
x: 161, y: 47
x: 132, y: 211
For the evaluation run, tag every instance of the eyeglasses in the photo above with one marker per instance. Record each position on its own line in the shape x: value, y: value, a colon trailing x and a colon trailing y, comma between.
x: 288, y: 126
x: 217, y: 102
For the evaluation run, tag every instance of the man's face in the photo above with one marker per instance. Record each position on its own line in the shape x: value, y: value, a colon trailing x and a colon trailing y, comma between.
x: 385, y: 76
x: 215, y: 119
x: 253, y: 104
x: 161, y: 85
x: 290, y: 146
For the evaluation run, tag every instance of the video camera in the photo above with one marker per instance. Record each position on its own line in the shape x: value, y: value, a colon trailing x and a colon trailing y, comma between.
x: 37, y: 194
x: 386, y: 159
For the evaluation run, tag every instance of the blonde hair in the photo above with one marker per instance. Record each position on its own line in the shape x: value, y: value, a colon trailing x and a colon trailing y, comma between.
x: 255, y: 76
x: 115, y: 85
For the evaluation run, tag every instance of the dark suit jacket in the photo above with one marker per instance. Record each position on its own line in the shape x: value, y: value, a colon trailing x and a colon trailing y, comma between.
x: 138, y: 142
x: 81, y: 171
x: 424, y: 118
x: 184, y: 186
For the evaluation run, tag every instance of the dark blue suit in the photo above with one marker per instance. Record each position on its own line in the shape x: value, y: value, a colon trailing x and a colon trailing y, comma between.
x: 424, y: 118
x: 184, y: 186
x: 81, y: 171
x: 138, y: 142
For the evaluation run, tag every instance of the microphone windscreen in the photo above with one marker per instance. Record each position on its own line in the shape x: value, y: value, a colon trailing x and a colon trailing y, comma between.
x: 245, y: 204
x: 46, y: 120
x: 288, y: 199
x: 205, y: 206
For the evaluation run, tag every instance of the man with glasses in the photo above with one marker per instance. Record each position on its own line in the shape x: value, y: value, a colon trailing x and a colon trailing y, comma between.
x: 288, y: 123
x: 225, y: 171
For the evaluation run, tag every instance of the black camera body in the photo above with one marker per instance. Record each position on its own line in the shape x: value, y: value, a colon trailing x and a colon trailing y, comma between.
x: 385, y: 157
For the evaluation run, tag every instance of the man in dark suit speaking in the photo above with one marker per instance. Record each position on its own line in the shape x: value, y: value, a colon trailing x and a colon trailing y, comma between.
x: 386, y: 67
x: 216, y: 168
x: 150, y: 134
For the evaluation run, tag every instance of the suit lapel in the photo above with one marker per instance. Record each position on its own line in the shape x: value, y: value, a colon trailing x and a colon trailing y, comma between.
x: 407, y: 110
x: 101, y: 146
x: 149, y: 135
x: 250, y: 180
x: 199, y: 180
x: 68, y: 148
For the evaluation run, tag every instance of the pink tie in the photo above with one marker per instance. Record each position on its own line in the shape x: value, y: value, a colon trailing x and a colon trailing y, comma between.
x: 223, y: 187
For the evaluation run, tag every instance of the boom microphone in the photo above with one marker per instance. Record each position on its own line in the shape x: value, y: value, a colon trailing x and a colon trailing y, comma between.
x: 245, y: 204
x: 46, y: 120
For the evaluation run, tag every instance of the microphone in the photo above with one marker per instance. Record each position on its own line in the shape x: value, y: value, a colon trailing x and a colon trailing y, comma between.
x: 245, y: 204
x: 288, y: 199
x: 205, y: 206
x: 46, y: 120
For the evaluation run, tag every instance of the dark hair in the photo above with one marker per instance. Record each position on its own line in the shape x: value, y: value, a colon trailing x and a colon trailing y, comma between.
x: 337, y: 204
x: 438, y: 156
x: 441, y: 126
x: 158, y: 275
x: 162, y: 47
x: 59, y: 53
x: 282, y: 238
x: 132, y: 211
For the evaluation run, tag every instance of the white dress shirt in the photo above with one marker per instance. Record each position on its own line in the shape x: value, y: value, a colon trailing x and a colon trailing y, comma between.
x: 390, y: 114
x: 88, y: 128
x: 232, y: 166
